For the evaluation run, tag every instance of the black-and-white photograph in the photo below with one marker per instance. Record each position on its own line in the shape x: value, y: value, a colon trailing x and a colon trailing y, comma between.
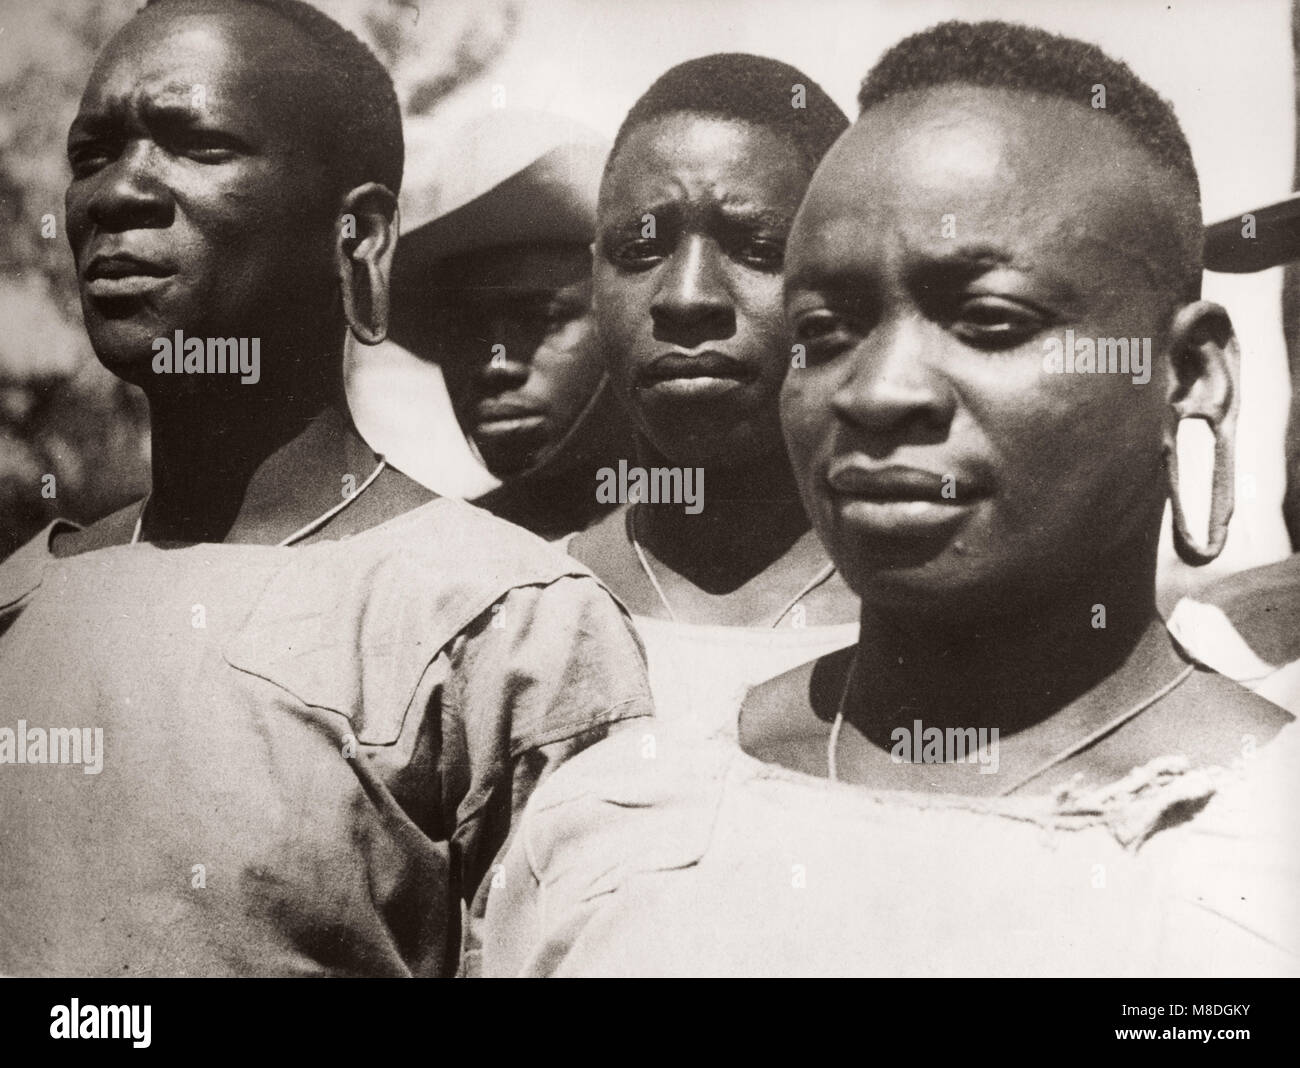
x: 734, y: 488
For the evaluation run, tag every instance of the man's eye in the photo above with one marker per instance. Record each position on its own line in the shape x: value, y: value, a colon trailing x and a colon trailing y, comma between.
x: 547, y: 316
x: 211, y: 154
x: 763, y: 254
x: 639, y: 252
x: 88, y: 157
x: 205, y: 146
x: 559, y: 311
x: 822, y: 332
x: 992, y: 323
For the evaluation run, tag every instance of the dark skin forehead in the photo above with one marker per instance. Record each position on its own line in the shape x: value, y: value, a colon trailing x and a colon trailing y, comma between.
x: 1040, y: 186
x: 260, y: 77
x: 697, y: 170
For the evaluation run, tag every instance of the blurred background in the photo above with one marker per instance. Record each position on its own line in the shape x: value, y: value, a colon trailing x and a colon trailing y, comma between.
x: 1226, y: 65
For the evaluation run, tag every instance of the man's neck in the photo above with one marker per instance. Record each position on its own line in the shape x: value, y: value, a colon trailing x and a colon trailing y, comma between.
x: 1014, y: 670
x: 550, y: 505
x: 751, y: 516
x: 222, y: 468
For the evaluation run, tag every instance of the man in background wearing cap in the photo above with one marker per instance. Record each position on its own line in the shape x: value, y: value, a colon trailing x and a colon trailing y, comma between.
x: 495, y: 287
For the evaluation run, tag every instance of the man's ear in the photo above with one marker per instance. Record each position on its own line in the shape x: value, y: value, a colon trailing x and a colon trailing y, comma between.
x: 1204, y: 359
x: 1204, y: 363
x: 363, y: 251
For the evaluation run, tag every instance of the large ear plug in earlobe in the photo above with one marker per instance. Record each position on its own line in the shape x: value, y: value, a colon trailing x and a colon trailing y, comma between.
x: 1222, y: 497
x: 1206, y: 362
x: 369, y: 324
x: 364, y: 248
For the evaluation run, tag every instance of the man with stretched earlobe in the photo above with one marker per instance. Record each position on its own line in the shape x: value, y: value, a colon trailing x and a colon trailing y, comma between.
x: 1247, y: 625
x: 1138, y: 816
x: 322, y: 693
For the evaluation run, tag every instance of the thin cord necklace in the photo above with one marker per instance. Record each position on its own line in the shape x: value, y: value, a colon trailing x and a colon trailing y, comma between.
x: 301, y: 532
x: 1083, y: 743
x: 821, y: 576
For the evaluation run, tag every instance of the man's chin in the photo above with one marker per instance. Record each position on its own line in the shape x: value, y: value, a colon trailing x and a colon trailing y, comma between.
x: 134, y: 366
x: 942, y: 587
x: 125, y: 344
x: 507, y: 460
x: 704, y: 445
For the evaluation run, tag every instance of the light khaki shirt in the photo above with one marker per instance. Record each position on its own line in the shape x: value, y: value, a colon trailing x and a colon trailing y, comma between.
x: 310, y: 755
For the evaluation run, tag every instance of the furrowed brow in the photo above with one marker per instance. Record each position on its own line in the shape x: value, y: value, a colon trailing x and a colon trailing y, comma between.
x: 666, y: 213
x: 92, y: 126
x: 177, y: 112
x: 756, y: 218
x: 971, y: 258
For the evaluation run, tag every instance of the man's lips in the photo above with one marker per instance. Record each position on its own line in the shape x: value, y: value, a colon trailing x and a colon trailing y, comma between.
x: 693, y: 374
x: 121, y: 274
x: 857, y: 478
x: 897, y: 501
x: 494, y: 417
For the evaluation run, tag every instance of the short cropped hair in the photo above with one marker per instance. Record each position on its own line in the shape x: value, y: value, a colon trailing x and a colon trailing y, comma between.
x: 1004, y: 55
x: 361, y: 101
x: 744, y: 88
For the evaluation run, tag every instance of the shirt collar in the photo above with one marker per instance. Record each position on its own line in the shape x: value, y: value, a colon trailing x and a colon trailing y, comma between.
x: 23, y: 571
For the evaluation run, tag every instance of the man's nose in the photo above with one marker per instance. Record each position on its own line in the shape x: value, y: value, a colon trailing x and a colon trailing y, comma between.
x: 693, y: 303
x: 128, y: 193
x: 510, y: 352
x: 897, y: 384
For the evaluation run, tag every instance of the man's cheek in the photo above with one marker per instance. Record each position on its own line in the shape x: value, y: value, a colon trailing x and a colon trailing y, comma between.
x: 801, y: 437
x: 767, y: 326
x: 77, y: 231
x: 569, y: 340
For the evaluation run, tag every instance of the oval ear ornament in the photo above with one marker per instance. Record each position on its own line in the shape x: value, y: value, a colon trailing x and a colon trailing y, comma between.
x: 1222, y: 498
